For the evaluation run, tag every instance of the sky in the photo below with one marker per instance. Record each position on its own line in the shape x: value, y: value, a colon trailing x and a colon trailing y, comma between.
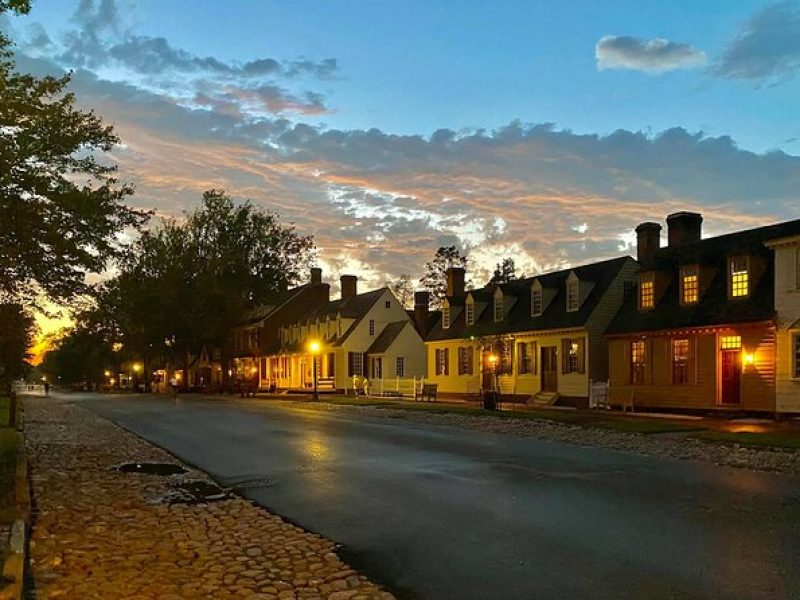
x: 543, y: 131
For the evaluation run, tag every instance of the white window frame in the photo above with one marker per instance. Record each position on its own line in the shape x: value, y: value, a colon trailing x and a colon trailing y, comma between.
x: 573, y: 295
x: 537, y: 301
x: 446, y: 317
x: 686, y: 272
x: 400, y: 366
x: 470, y: 312
x: 732, y: 274
x: 498, y: 308
x: 372, y: 327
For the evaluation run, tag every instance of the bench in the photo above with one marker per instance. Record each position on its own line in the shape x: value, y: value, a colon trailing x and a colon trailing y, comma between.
x: 428, y: 392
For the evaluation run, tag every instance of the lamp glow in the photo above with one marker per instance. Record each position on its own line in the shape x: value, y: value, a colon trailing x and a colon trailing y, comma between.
x: 749, y: 358
x: 314, y: 347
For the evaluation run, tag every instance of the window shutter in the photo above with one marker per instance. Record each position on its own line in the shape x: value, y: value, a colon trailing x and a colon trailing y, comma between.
x: 534, y: 358
x: 350, y: 364
x: 470, y: 360
x: 582, y: 355
x: 564, y: 356
x: 447, y: 361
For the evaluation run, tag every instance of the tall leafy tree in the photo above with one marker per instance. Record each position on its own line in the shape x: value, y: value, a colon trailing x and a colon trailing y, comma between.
x: 16, y: 332
x: 403, y: 290
x: 61, y: 206
x: 435, y: 278
x: 504, y: 272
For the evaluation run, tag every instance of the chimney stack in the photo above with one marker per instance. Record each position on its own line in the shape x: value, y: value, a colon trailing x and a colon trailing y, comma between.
x: 648, y: 241
x: 316, y: 276
x: 455, y: 282
x: 421, y: 303
x: 349, y: 285
x: 684, y: 228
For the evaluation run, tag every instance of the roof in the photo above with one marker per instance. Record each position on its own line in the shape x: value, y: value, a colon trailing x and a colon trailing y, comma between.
x: 259, y: 313
x: 387, y: 337
x: 714, y: 308
x: 353, y: 307
x: 598, y: 277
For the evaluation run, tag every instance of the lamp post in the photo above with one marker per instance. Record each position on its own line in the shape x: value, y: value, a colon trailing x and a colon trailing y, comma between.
x: 490, y: 398
x: 314, y: 348
x: 136, y: 368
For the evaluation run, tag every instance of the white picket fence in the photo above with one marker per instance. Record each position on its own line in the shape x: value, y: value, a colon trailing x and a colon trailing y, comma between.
x: 398, y: 387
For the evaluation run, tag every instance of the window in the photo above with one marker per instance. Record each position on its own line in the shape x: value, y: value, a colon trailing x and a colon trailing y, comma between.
x: 690, y: 285
x: 739, y: 277
x: 372, y: 326
x: 680, y: 361
x: 572, y: 295
x: 498, y: 307
x: 638, y: 358
x: 527, y: 358
x: 387, y: 304
x: 796, y: 355
x: 647, y: 298
x: 572, y: 352
x: 536, y: 302
x: 730, y: 342
x: 506, y: 358
x: 470, y: 312
x: 445, y: 317
x: 377, y: 367
x: 465, y: 360
x: 442, y: 367
x: 355, y: 364
x: 400, y: 366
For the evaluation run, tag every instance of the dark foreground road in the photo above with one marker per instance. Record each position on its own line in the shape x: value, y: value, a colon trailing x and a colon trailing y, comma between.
x: 443, y: 513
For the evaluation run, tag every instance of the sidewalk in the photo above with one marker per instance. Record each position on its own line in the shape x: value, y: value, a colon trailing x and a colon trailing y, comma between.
x: 102, y: 533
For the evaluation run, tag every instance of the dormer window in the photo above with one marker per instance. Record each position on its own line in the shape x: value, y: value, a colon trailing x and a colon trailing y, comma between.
x: 739, y: 280
x: 647, y: 294
x: 690, y: 285
x: 470, y: 311
x: 537, y: 304
x: 445, y: 317
x: 573, y: 290
x: 498, y: 306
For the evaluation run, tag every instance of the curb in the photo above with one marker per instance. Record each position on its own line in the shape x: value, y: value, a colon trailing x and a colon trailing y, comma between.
x: 14, y: 564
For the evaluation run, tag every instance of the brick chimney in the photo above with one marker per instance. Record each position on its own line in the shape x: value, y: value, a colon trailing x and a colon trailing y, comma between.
x: 349, y: 285
x: 421, y: 304
x: 648, y: 241
x: 684, y: 228
x: 316, y: 276
x: 455, y: 282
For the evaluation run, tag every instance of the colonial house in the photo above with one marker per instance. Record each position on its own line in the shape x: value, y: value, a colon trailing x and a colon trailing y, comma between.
x: 540, y: 337
x: 359, y: 336
x: 712, y: 323
x: 259, y: 335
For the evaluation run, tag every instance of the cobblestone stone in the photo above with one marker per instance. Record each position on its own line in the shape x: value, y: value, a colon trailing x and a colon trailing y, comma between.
x: 97, y: 533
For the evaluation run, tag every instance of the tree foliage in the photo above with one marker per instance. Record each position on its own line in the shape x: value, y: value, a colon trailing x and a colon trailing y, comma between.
x: 504, y: 272
x: 80, y: 358
x: 61, y: 207
x: 403, y: 290
x: 435, y: 278
x: 16, y: 332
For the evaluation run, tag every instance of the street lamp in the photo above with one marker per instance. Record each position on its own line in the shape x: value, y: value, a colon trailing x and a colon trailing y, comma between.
x: 490, y: 397
x: 314, y: 347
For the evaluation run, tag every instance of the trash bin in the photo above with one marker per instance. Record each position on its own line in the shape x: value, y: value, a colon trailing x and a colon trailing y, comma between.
x: 490, y: 400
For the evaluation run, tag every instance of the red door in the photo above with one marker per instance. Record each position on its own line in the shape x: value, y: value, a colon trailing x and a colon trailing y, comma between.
x: 731, y: 366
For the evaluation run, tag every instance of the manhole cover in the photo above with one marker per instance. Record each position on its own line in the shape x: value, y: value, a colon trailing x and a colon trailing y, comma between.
x: 163, y: 469
x: 191, y: 492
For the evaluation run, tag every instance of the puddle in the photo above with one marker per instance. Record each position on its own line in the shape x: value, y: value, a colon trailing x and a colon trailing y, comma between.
x: 161, y: 469
x: 191, y: 492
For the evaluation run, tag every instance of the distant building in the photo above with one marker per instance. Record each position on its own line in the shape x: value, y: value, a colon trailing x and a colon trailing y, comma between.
x: 712, y: 323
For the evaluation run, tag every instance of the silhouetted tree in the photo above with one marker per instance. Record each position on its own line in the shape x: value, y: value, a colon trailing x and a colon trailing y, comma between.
x: 504, y: 272
x: 435, y: 278
x: 403, y: 290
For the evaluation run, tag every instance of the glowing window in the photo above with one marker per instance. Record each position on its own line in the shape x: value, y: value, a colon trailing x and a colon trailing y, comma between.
x: 731, y: 342
x: 680, y: 361
x: 470, y: 312
x: 739, y: 277
x: 646, y: 291
x: 638, y: 356
x: 690, y: 285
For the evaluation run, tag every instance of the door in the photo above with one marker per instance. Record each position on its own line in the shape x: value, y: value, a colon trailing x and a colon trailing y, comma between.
x: 731, y: 374
x: 549, y: 364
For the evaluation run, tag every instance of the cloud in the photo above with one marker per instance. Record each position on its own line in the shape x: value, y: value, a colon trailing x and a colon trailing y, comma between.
x: 654, y: 56
x: 767, y: 48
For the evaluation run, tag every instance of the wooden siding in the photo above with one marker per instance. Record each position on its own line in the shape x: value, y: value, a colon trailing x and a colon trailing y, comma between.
x: 787, y: 306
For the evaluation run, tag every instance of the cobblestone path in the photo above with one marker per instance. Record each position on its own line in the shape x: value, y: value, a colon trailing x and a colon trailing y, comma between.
x: 101, y: 533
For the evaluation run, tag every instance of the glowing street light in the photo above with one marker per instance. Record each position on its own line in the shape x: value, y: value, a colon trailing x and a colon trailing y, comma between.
x: 314, y: 347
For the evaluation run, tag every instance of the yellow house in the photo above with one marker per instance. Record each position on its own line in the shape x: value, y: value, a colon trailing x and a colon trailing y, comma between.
x: 540, y: 337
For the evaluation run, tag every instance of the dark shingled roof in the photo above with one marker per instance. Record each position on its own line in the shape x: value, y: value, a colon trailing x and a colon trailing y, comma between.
x: 387, y: 336
x: 518, y: 317
x: 260, y: 313
x: 352, y: 308
x: 714, y: 306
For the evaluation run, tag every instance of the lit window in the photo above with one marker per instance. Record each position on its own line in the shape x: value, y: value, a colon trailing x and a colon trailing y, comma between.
x: 572, y: 295
x: 739, y: 282
x: 536, y: 302
x: 498, y: 308
x: 470, y: 312
x: 680, y: 361
x: 573, y: 355
x: 646, y: 291
x: 638, y: 357
x: 445, y: 317
x: 731, y: 342
x: 372, y: 326
x: 400, y: 366
x: 690, y: 285
x: 796, y: 356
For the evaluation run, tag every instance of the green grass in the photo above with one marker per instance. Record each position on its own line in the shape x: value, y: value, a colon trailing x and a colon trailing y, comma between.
x: 777, y: 439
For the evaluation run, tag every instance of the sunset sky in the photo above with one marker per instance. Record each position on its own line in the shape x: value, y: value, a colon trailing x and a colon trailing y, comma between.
x: 539, y: 130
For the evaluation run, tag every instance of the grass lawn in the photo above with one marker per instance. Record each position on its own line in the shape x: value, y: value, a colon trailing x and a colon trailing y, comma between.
x: 775, y: 439
x: 582, y: 419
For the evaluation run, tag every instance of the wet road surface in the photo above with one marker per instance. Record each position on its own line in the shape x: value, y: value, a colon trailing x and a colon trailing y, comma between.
x: 435, y: 512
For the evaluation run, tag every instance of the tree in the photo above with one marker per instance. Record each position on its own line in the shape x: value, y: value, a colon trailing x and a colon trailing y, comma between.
x: 17, y: 329
x: 504, y: 272
x: 403, y: 290
x: 80, y: 358
x: 61, y: 208
x: 435, y: 278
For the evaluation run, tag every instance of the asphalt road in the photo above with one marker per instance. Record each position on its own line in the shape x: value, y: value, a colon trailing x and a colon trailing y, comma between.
x: 435, y: 512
